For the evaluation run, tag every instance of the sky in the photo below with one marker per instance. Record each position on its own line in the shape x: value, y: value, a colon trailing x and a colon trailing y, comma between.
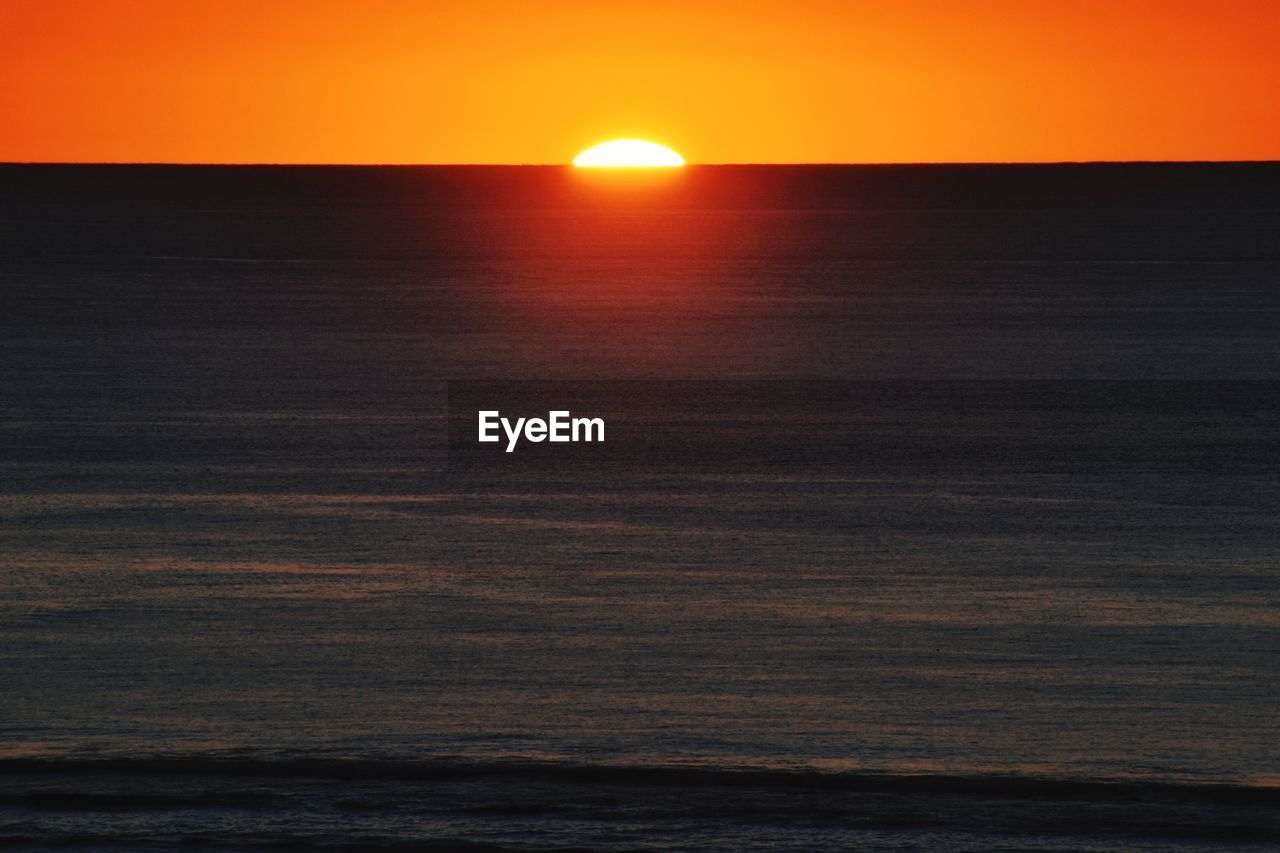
x: 395, y: 81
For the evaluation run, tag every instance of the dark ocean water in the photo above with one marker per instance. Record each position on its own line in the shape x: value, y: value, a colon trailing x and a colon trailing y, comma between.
x: 940, y: 509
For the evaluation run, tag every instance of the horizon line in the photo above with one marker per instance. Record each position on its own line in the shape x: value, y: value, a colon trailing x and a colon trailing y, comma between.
x: 335, y: 164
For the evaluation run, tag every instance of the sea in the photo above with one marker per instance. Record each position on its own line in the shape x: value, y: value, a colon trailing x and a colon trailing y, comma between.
x: 938, y: 508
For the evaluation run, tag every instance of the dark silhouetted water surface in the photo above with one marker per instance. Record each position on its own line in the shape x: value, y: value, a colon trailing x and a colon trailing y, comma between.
x: 957, y: 528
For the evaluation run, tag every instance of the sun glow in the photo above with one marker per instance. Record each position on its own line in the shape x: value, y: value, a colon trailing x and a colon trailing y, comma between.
x: 628, y: 153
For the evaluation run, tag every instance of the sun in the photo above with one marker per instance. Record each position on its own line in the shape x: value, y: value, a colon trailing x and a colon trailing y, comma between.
x: 628, y: 153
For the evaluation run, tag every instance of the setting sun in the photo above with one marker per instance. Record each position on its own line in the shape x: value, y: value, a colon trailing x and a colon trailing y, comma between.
x: 628, y: 153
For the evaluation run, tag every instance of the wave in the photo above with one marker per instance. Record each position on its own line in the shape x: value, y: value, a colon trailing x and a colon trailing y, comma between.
x: 336, y: 803
x: 1010, y: 787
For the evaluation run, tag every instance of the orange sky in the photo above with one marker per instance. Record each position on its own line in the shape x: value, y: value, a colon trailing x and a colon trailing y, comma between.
x: 394, y: 81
